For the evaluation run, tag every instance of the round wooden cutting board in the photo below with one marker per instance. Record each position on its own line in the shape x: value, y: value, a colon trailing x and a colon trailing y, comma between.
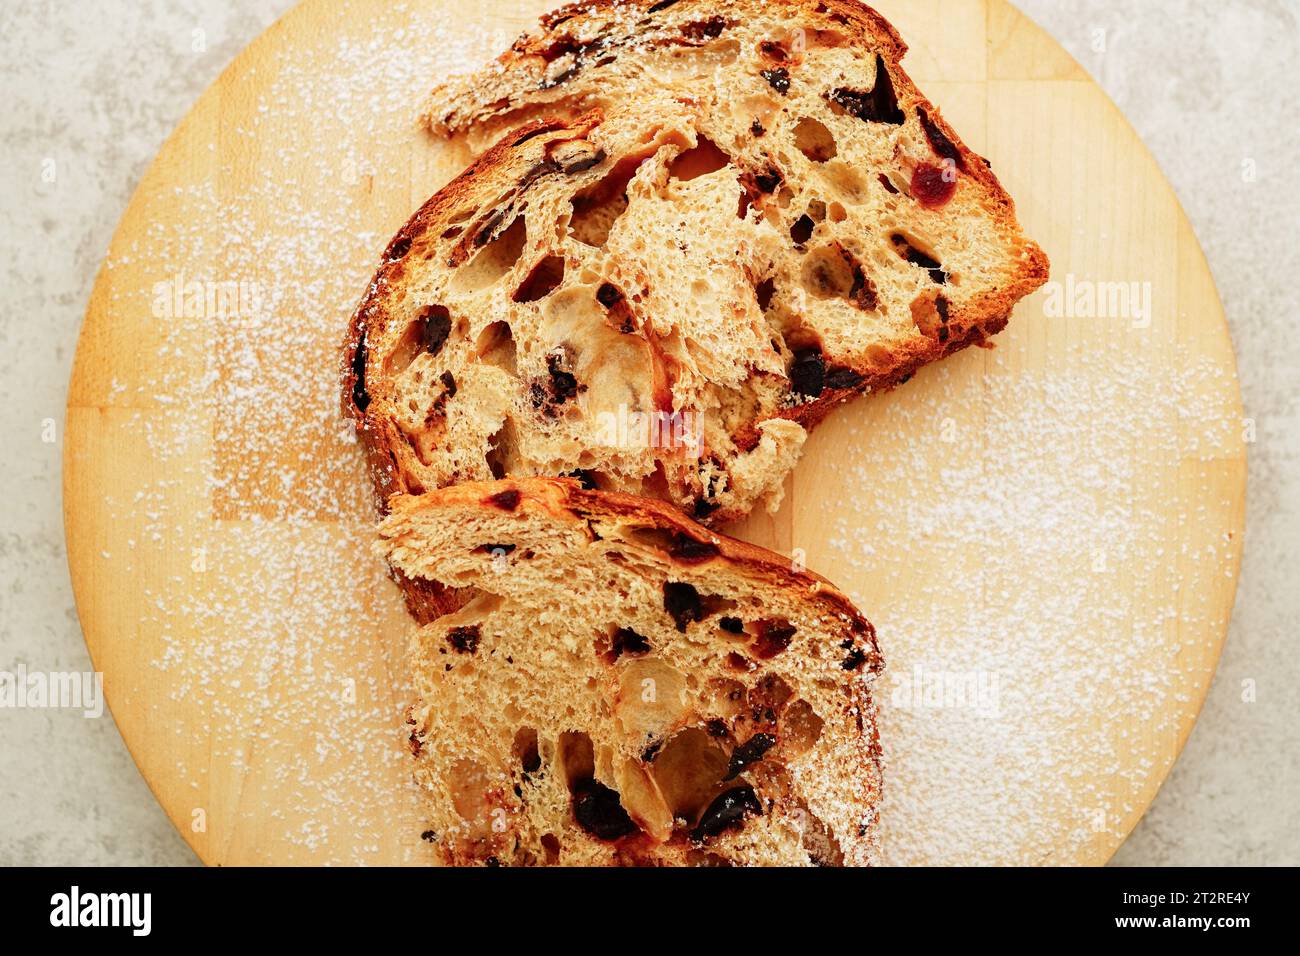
x: 1046, y: 534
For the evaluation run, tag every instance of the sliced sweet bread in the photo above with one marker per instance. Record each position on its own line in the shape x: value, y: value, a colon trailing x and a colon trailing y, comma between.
x: 626, y: 687
x: 719, y: 220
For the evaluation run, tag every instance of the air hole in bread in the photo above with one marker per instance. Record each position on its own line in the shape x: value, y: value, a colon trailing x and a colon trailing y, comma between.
x: 597, y: 208
x: 802, y: 229
x: 832, y: 271
x: 542, y: 281
x: 773, y: 51
x: 524, y: 748
x: 817, y: 210
x: 879, y: 356
x: 494, y: 261
x: 551, y: 845
x: 767, y: 701
x: 801, y: 728
x: 650, y: 700
x: 625, y: 641
x: 827, y: 273
x: 700, y: 160
x: 688, y: 770
x: 814, y: 140
x: 930, y: 314
x: 920, y: 254
x: 876, y: 105
x: 764, y: 293
x: 469, y: 784
x: 818, y: 841
x: 575, y: 757
x: 502, y: 454
x: 496, y: 347
x: 360, y: 397
x: 427, y: 333
x: 824, y: 39
x: 845, y: 181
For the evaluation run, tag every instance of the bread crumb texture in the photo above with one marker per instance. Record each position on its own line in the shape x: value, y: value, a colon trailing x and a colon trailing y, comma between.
x: 699, y: 228
x: 627, y: 688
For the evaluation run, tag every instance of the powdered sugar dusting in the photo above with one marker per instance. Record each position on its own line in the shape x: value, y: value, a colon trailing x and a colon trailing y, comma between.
x: 280, y: 644
x: 1015, y: 541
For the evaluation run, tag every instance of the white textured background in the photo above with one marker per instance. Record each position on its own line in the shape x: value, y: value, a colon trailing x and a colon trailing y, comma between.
x: 98, y: 86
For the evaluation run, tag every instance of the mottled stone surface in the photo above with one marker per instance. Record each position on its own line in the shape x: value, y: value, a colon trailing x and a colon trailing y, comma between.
x: 93, y: 89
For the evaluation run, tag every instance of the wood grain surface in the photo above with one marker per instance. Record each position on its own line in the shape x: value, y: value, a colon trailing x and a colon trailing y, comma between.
x: 1056, y: 521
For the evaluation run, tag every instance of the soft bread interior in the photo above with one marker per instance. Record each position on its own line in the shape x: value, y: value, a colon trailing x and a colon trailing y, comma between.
x: 626, y: 688
x: 733, y: 217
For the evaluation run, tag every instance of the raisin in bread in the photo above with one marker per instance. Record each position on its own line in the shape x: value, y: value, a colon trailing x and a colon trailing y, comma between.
x: 718, y: 221
x: 625, y: 687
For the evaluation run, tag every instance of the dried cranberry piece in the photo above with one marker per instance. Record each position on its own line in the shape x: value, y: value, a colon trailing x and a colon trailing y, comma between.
x: 505, y: 500
x: 689, y: 551
x: 769, y: 180
x: 683, y: 603
x: 428, y: 836
x: 628, y: 641
x: 773, y: 638
x: 598, y: 811
x: 808, y: 373
x: 727, y: 812
x: 563, y: 384
x: 932, y: 187
x: 943, y: 147
x: 941, y: 306
x: 877, y: 105
x: 435, y: 326
x: 863, y: 291
x: 464, y: 639
x: 448, y: 383
x: 739, y: 662
x: 751, y: 751
x: 857, y: 657
x: 732, y: 625
x: 360, y: 397
x: 778, y: 79
x: 716, y: 727
x: 711, y: 28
